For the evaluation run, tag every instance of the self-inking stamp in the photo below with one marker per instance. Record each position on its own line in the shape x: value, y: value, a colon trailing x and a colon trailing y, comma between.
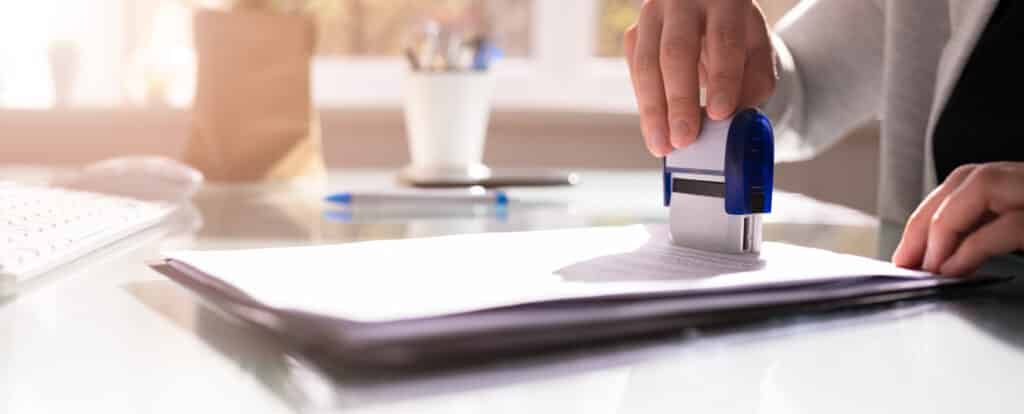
x: 718, y: 188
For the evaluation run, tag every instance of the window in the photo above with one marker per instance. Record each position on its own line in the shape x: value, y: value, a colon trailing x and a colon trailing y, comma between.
x: 559, y: 53
x: 616, y: 16
x: 376, y: 28
x: 550, y: 60
x: 57, y: 52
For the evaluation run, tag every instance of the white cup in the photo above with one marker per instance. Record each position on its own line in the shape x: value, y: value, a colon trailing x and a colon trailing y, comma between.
x: 446, y: 116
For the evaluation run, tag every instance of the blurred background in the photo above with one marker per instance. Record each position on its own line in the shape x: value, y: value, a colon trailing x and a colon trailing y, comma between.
x: 82, y: 80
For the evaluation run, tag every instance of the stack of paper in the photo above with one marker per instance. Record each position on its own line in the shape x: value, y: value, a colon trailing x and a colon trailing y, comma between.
x: 401, y: 302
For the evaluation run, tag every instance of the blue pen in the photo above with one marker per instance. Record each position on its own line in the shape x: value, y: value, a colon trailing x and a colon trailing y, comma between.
x: 485, y: 53
x: 471, y: 196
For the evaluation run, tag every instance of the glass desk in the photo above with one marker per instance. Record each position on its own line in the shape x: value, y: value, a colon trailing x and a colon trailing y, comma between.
x: 107, y: 334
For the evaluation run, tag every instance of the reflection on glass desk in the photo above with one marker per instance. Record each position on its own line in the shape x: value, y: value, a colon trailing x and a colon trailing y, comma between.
x: 107, y: 334
x: 296, y: 215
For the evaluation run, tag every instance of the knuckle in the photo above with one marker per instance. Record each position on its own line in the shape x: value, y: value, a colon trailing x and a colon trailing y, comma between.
x: 916, y: 220
x: 1004, y: 165
x: 727, y: 41
x: 989, y: 175
x: 652, y: 111
x: 679, y: 47
x: 963, y: 171
x: 937, y: 223
x: 726, y: 77
x: 682, y: 106
x: 646, y: 63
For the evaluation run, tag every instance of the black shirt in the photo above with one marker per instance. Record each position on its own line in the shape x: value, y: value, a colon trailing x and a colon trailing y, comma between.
x: 983, y: 121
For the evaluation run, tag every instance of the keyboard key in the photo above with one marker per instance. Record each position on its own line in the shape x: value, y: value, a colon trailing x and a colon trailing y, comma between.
x: 43, y: 227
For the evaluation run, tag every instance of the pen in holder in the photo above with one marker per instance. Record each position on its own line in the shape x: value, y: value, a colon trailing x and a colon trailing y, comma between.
x: 447, y: 105
x: 446, y: 116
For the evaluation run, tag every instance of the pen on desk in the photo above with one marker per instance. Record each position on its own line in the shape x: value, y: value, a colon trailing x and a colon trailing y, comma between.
x: 391, y: 212
x: 497, y: 197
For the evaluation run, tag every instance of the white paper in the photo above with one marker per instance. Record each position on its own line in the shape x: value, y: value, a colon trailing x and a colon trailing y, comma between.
x: 380, y: 281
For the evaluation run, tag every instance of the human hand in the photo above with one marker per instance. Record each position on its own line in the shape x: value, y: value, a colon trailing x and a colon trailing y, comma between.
x: 677, y: 45
x: 977, y: 213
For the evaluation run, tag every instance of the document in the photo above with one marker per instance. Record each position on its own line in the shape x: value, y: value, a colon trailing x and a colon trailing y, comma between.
x: 382, y: 281
x: 420, y: 301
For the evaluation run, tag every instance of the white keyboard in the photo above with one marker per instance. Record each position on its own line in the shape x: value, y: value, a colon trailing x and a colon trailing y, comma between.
x: 43, y: 227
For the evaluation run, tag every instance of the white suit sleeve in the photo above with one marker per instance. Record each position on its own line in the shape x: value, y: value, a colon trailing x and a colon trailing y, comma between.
x: 830, y: 74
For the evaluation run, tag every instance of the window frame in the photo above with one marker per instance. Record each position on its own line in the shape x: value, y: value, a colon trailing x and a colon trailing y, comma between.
x: 562, y: 71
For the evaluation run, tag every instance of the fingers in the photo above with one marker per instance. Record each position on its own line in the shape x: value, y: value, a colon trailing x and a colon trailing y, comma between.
x: 650, y: 88
x: 951, y: 232
x: 658, y: 148
x: 760, y: 75
x: 678, y: 46
x: 726, y: 42
x: 680, y: 57
x: 1003, y: 235
x: 758, y: 83
x: 986, y: 190
x: 911, y: 250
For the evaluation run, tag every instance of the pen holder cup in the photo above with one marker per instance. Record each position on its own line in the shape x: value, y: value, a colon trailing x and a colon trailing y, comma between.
x: 446, y: 116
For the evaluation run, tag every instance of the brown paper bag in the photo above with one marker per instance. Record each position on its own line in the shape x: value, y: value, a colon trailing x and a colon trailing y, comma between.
x: 253, y: 117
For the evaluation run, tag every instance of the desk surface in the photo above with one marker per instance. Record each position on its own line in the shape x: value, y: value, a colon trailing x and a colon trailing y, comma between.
x: 107, y: 334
